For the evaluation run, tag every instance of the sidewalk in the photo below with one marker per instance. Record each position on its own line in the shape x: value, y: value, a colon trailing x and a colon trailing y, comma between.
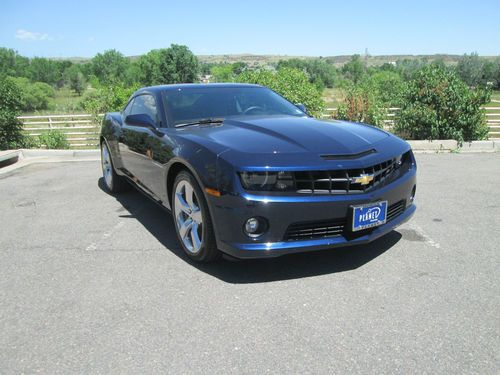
x: 14, y: 159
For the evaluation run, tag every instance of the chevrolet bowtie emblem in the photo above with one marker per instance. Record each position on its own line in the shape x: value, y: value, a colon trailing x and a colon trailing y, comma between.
x: 363, y: 179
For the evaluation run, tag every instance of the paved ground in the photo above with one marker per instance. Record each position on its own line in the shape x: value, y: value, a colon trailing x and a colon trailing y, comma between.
x: 90, y: 283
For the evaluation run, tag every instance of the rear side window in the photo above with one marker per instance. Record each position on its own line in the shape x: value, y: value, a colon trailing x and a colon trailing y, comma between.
x: 145, y: 104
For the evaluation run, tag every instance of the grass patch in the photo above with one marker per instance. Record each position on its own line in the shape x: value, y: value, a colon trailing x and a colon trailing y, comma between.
x: 65, y: 102
x: 332, y: 97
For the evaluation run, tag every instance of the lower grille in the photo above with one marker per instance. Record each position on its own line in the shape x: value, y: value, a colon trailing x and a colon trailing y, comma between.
x: 334, y: 227
x: 316, y: 229
x: 395, y: 209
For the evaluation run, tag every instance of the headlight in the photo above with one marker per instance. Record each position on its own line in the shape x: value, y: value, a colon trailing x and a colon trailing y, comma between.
x: 267, y: 181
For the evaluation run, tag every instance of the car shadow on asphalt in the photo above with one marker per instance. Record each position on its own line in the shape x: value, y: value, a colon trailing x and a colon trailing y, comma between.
x: 160, y: 224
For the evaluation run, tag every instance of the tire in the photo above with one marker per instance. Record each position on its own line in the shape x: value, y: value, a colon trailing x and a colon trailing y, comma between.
x: 193, y: 223
x: 113, y: 182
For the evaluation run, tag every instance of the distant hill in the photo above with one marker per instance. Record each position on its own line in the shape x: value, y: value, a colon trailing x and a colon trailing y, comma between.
x: 261, y: 60
x: 255, y: 60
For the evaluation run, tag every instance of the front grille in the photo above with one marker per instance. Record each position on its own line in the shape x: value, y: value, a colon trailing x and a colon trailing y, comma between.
x: 344, y: 181
x: 334, y: 227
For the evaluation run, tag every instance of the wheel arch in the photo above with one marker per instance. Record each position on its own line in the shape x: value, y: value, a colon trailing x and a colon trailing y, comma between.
x: 175, y: 167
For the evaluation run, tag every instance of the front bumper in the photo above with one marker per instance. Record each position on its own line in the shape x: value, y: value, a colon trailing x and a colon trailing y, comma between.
x: 229, y: 212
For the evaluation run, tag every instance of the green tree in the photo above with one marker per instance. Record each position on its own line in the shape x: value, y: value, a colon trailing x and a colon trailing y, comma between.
x: 11, y: 136
x: 354, y: 69
x: 45, y: 70
x: 75, y: 79
x: 109, y: 66
x: 292, y: 84
x: 437, y: 104
x: 222, y: 73
x: 132, y: 74
x: 470, y: 69
x: 12, y: 64
x: 408, y: 67
x: 320, y: 72
x: 176, y: 64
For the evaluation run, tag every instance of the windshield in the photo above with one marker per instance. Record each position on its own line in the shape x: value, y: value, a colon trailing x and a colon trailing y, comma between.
x: 189, y: 105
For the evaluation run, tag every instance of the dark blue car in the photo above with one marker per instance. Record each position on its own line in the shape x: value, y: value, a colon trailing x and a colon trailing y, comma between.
x: 248, y: 173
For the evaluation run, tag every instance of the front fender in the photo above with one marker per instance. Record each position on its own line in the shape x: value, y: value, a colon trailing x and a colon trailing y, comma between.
x: 111, y: 130
x: 199, y: 160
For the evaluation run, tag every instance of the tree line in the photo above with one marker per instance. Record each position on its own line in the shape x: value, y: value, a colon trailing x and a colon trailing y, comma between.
x: 178, y: 64
x: 108, y: 79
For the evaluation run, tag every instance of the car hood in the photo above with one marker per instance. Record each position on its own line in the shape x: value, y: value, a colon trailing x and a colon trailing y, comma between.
x: 284, y: 143
x: 265, y: 135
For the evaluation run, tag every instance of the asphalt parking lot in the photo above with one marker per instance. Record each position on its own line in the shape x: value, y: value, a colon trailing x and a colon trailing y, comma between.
x: 90, y: 283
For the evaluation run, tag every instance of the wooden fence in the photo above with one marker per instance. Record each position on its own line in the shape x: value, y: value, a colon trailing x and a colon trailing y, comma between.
x: 492, y: 119
x: 82, y: 131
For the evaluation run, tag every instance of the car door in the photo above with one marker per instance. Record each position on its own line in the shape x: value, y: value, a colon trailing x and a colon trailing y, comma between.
x: 144, y: 150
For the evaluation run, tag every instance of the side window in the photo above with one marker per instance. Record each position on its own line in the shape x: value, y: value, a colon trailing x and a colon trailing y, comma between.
x: 128, y: 108
x: 145, y: 104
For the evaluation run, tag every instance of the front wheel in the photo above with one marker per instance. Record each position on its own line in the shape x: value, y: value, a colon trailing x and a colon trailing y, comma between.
x: 114, y: 183
x: 192, y: 219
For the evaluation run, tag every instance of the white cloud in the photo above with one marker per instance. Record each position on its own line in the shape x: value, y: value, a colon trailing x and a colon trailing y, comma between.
x: 31, y: 36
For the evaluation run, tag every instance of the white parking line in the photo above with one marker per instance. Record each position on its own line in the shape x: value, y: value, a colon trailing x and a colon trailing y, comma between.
x: 428, y: 240
x: 94, y: 245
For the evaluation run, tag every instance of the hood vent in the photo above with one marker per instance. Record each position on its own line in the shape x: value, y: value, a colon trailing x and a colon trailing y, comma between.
x: 348, y: 156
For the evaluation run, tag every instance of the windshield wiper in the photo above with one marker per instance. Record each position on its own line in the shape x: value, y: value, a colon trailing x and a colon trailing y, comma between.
x: 201, y: 122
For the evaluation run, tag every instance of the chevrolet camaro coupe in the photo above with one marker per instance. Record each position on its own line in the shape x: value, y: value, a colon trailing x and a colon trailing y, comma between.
x: 247, y: 173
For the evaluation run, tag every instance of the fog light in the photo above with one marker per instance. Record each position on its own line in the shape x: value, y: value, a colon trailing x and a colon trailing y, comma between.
x: 252, y: 225
x: 255, y: 226
x: 412, y: 196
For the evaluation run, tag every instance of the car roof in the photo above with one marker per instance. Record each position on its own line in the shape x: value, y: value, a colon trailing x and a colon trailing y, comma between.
x: 195, y: 86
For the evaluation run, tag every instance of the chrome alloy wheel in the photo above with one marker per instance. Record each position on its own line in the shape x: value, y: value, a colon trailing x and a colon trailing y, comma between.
x: 188, y: 216
x: 107, y: 168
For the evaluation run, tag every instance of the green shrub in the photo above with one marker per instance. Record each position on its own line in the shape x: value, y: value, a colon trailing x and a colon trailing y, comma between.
x: 436, y: 104
x: 292, y: 84
x: 11, y: 135
x: 111, y: 98
x: 31, y: 142
x: 362, y: 104
x: 388, y: 87
x: 53, y: 139
x: 35, y: 96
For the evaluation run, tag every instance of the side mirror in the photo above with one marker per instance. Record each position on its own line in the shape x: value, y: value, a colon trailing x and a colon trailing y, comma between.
x: 142, y: 120
x: 302, y: 107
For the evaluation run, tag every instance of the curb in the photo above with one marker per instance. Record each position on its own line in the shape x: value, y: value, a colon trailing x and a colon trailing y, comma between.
x: 10, y: 157
x: 31, y: 153
x: 481, y: 146
x: 450, y: 145
x: 12, y: 160
x: 446, y: 145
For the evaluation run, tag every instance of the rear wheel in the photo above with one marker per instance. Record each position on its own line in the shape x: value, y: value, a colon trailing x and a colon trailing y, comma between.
x: 192, y: 219
x: 114, y: 183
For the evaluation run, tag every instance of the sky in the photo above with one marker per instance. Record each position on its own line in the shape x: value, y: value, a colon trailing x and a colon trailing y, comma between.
x: 65, y: 28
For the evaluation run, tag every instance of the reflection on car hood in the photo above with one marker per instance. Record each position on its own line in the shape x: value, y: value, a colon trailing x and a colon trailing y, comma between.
x: 276, y: 135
